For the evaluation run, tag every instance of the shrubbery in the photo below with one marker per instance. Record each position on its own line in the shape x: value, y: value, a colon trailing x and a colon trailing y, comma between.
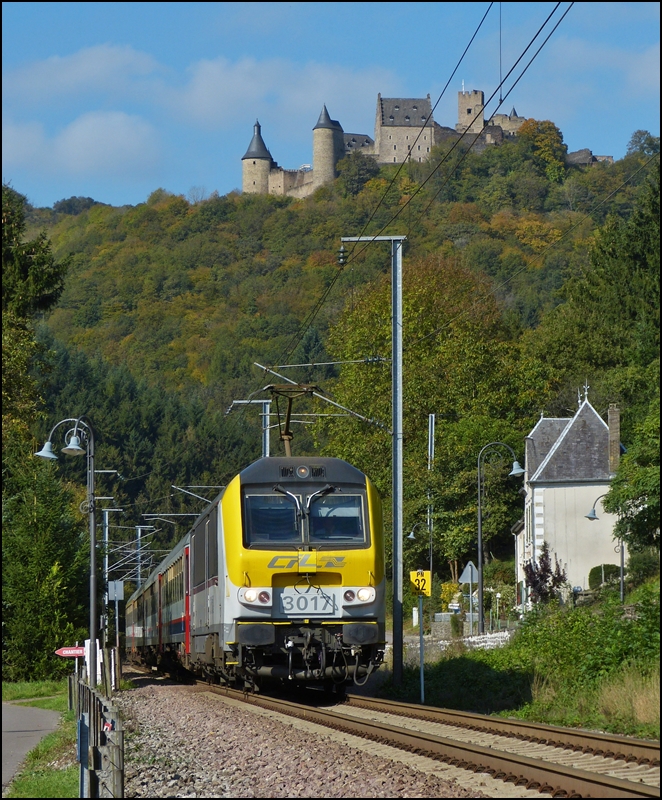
x: 603, y: 573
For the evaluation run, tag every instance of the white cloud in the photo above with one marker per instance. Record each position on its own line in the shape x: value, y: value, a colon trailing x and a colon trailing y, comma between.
x: 220, y: 93
x: 97, y: 144
x: 105, y: 68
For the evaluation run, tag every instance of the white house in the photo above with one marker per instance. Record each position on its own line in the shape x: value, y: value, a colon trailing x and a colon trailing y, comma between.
x: 570, y: 462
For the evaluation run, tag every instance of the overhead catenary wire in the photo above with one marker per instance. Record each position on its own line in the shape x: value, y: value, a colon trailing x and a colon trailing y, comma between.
x: 353, y: 255
x: 294, y: 342
x: 539, y: 257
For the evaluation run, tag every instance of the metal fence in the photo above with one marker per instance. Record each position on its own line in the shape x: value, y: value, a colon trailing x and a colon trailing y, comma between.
x: 100, y: 742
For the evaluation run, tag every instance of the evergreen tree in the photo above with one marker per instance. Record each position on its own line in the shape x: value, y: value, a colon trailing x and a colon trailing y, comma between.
x: 43, y: 576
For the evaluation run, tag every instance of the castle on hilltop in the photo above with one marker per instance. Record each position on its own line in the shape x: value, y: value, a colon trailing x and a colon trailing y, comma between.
x: 404, y: 128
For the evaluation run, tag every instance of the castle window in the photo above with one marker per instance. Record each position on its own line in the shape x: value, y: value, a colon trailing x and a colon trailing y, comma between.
x: 394, y: 159
x: 468, y: 111
x: 395, y: 146
x: 407, y: 138
x: 408, y: 147
x: 253, y: 162
x: 428, y: 149
x: 419, y: 147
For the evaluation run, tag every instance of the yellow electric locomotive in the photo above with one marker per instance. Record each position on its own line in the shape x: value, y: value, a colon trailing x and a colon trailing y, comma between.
x: 281, y: 578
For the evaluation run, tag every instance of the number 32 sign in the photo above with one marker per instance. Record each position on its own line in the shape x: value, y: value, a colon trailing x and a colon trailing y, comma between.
x: 420, y: 582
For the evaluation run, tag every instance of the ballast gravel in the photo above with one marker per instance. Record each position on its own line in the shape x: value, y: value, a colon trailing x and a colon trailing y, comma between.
x: 181, y: 743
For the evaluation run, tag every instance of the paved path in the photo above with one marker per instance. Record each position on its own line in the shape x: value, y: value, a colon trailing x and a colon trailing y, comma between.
x: 23, y: 727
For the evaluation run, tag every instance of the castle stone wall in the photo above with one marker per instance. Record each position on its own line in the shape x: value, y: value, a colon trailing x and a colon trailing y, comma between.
x: 291, y: 182
x: 396, y: 143
x: 509, y: 125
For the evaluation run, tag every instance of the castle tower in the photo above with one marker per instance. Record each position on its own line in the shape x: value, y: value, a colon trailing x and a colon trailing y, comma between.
x: 328, y: 148
x: 256, y: 164
x: 470, y: 104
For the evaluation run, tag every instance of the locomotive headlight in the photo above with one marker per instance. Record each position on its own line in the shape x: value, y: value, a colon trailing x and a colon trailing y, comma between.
x: 366, y: 594
x: 264, y: 597
x: 349, y: 596
x: 250, y: 595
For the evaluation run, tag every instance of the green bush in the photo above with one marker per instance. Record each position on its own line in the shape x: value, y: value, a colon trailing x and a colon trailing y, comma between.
x: 642, y: 565
x: 595, y: 576
x: 457, y: 625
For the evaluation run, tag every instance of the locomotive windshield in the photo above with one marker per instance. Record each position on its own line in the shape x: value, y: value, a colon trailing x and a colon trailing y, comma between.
x: 285, y: 520
x: 337, y: 518
x: 271, y: 518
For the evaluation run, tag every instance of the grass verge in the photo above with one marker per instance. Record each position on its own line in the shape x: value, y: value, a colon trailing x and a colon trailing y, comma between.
x: 50, y: 769
x: 595, y: 667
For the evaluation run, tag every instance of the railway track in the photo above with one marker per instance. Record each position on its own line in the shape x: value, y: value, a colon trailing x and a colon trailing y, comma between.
x: 561, y: 762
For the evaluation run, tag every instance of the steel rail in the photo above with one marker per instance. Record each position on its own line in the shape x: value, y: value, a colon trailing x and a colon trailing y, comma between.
x: 521, y: 770
x: 643, y: 751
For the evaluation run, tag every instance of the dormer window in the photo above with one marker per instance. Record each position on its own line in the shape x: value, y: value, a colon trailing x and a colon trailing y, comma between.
x: 407, y: 118
x: 397, y: 108
x: 391, y: 118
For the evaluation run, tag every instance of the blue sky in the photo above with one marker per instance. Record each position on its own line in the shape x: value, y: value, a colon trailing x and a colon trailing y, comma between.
x: 113, y: 100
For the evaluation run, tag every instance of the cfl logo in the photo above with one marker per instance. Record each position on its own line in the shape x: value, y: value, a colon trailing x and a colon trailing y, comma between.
x: 306, y: 560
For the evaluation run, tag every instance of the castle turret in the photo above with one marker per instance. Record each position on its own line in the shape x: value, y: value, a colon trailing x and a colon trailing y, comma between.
x: 256, y: 164
x: 470, y: 111
x: 328, y: 148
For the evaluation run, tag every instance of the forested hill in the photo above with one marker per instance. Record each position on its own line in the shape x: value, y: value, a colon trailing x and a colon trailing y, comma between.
x: 167, y: 304
x: 188, y: 295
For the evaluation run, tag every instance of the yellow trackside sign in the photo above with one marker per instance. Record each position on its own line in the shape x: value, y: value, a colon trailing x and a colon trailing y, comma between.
x: 421, y: 581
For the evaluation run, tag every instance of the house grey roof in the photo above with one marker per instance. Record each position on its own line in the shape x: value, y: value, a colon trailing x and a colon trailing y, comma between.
x: 257, y: 148
x: 355, y: 141
x: 513, y: 113
x: 580, y: 453
x: 541, y: 440
x: 405, y: 111
x: 325, y: 121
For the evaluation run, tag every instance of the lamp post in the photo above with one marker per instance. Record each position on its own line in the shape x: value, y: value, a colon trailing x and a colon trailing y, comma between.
x: 620, y: 547
x: 83, y: 430
x: 412, y: 537
x: 515, y: 472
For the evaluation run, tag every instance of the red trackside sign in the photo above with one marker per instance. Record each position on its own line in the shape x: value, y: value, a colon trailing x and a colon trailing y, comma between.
x: 70, y: 652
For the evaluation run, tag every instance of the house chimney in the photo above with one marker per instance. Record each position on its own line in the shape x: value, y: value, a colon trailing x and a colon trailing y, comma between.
x: 614, y: 423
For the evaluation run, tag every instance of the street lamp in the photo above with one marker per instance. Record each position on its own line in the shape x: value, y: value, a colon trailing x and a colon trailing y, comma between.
x: 516, y: 471
x: 620, y: 547
x: 83, y: 430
